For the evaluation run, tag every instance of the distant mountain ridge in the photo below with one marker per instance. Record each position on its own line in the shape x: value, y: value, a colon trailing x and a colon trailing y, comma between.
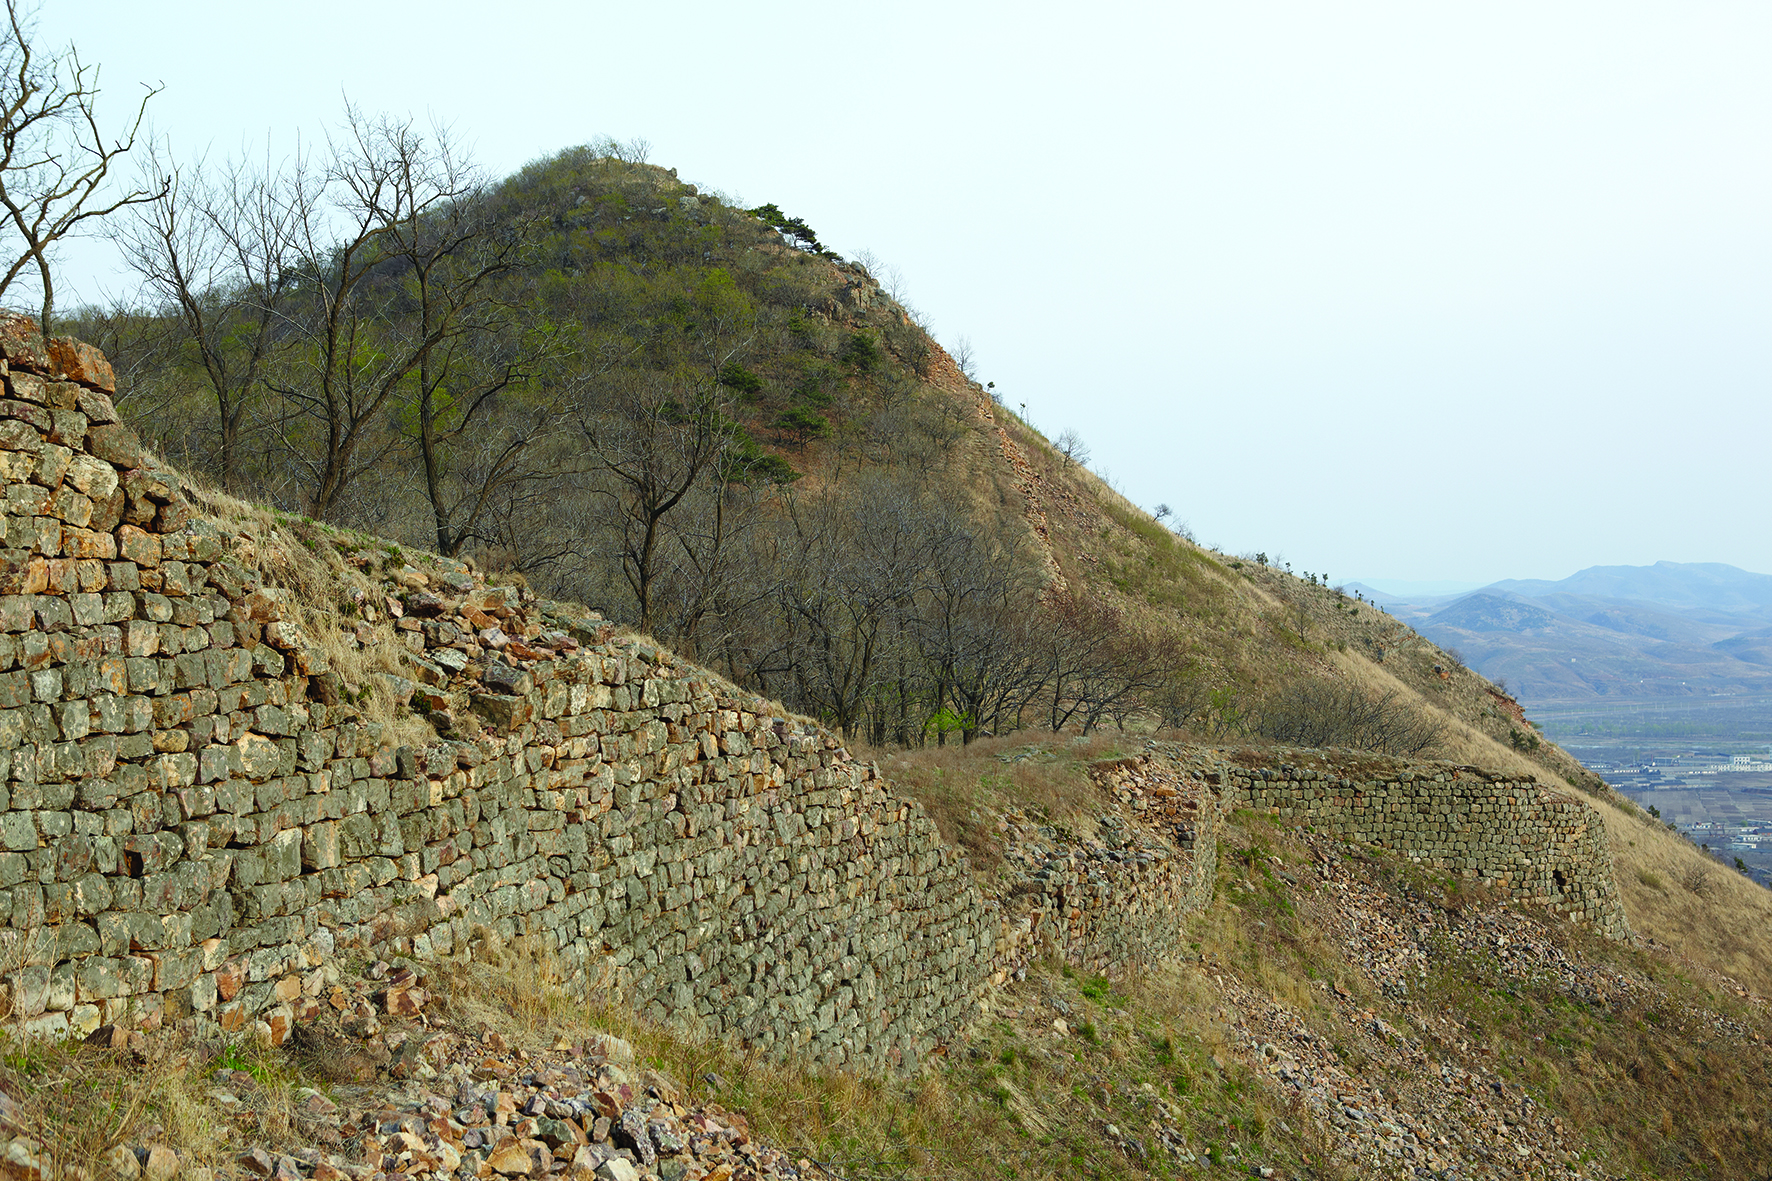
x: 1673, y: 629
x: 1704, y: 585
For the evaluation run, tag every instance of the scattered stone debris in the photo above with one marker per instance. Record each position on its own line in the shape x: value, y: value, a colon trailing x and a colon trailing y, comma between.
x: 1449, y: 1116
x: 431, y: 1103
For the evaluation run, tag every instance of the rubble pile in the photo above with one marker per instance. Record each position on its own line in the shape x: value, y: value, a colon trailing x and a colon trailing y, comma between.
x: 430, y: 1102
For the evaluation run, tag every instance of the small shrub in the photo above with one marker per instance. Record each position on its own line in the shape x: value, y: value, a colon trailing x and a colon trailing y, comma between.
x: 860, y: 352
x: 803, y: 424
x: 741, y: 380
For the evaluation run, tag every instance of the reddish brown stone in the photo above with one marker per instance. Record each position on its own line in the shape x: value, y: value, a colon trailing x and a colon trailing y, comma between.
x: 16, y: 436
x: 107, y: 513
x: 68, y: 427
x: 162, y: 1164
x: 96, y: 406
x: 282, y: 1023
x: 172, y: 517
x: 406, y: 1002
x: 37, y: 416
x: 75, y: 360
x: 28, y: 387
x: 256, y: 1161
x: 138, y: 546
x: 86, y: 544
x: 511, y: 1159
x: 230, y: 978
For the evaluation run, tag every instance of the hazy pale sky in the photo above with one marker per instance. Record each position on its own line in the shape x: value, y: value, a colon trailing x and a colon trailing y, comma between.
x: 1399, y: 291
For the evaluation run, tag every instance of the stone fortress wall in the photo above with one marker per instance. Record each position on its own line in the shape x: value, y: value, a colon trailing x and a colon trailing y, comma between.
x: 197, y: 824
x: 1539, y: 846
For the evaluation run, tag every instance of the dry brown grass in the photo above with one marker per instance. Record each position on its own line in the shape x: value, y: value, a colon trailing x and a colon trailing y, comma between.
x: 1674, y: 894
x: 870, y: 1125
x: 308, y: 560
x: 1018, y: 1100
x: 1610, y: 1069
x: 965, y: 788
x: 81, y: 1102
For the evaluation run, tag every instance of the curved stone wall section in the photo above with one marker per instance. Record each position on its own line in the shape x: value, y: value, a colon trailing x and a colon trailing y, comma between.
x: 1537, y: 844
x: 197, y: 823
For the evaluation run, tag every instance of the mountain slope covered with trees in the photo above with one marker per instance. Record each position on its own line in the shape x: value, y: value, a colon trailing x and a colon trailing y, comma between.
x: 695, y: 417
x: 631, y: 393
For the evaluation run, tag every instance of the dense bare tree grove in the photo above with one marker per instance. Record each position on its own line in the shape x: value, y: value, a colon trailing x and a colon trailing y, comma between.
x: 601, y: 379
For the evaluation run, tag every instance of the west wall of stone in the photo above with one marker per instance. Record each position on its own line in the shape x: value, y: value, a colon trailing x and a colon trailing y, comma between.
x: 194, y: 825
x: 198, y: 824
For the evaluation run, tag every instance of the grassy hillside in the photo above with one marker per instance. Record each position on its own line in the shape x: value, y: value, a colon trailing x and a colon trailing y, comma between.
x: 688, y: 416
x: 1340, y: 1014
x: 696, y: 419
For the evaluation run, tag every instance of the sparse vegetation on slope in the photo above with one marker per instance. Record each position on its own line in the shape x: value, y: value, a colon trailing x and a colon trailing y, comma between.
x: 695, y: 418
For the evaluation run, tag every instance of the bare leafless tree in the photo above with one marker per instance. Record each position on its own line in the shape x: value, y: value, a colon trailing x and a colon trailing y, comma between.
x: 1181, y: 695
x: 1070, y: 445
x: 1102, y: 664
x: 654, y: 435
x: 480, y: 350
x: 1080, y: 641
x: 973, y: 629
x: 54, y: 156
x: 633, y: 151
x: 965, y: 360
x: 1324, y: 713
x: 215, y: 253
x: 395, y: 192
